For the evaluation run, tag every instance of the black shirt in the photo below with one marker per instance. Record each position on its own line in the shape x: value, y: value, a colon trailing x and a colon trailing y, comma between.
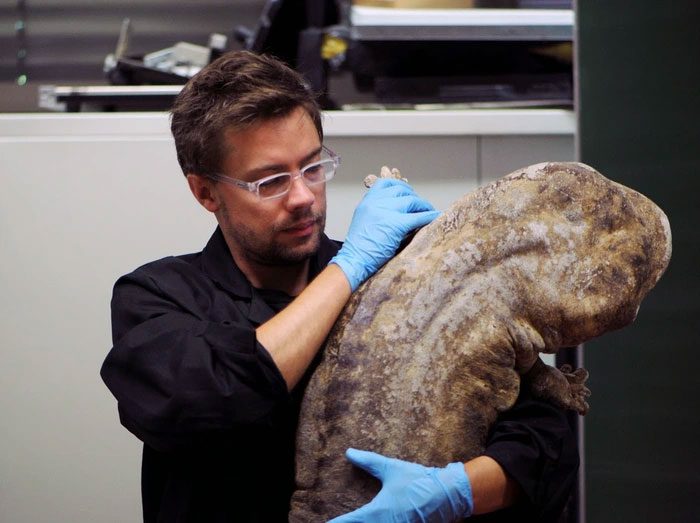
x: 193, y: 383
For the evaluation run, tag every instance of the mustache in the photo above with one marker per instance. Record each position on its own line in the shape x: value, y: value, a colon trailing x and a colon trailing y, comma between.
x: 305, y: 216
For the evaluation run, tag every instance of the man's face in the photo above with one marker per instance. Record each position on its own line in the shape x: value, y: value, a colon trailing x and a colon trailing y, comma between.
x: 279, y: 231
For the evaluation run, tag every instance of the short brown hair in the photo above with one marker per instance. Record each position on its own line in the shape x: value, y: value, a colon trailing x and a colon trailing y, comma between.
x: 235, y: 91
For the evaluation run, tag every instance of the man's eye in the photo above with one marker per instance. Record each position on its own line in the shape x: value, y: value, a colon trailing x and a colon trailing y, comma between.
x: 314, y: 172
x: 278, y: 181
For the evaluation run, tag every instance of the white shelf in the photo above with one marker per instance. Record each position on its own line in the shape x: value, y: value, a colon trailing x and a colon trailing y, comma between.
x: 155, y: 126
x: 363, y: 16
x: 381, y: 23
x: 450, y: 123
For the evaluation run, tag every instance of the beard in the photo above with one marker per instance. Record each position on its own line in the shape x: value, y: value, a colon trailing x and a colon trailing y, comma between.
x: 265, y: 250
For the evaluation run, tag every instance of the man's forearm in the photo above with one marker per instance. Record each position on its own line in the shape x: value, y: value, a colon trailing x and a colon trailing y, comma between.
x: 293, y: 336
x: 492, y: 488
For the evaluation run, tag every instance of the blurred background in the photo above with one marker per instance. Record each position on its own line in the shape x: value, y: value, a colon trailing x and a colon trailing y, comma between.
x: 66, y: 41
x: 56, y: 42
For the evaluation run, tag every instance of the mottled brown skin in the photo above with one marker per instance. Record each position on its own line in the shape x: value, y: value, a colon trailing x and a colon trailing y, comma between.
x: 430, y: 350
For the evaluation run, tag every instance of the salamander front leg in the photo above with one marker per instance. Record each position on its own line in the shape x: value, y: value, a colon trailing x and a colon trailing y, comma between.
x: 564, y: 387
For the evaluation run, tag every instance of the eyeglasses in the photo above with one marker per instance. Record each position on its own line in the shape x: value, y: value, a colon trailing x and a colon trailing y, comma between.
x: 277, y: 185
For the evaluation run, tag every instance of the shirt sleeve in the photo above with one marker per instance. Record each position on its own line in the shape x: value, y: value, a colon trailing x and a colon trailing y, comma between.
x: 179, y: 377
x: 537, y: 447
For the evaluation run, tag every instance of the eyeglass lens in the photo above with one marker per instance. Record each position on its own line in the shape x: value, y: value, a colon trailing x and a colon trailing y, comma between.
x: 313, y: 174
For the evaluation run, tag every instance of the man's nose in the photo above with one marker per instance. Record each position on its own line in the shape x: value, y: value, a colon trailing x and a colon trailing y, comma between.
x: 300, y: 194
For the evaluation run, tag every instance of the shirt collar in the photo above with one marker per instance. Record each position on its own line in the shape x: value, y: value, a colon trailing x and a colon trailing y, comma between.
x: 218, y: 264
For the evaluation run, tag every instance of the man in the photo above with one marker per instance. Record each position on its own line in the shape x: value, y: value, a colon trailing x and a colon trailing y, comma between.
x: 212, y: 350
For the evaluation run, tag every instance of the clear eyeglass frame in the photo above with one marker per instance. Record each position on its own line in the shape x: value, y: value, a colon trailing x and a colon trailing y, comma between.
x: 277, y: 185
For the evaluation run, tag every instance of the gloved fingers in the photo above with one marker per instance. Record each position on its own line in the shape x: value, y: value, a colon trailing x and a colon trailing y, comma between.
x: 407, y: 204
x: 417, y: 220
x: 388, y: 191
x: 369, y: 461
x: 418, y: 204
x: 356, y: 516
x: 412, y: 492
x: 391, y: 185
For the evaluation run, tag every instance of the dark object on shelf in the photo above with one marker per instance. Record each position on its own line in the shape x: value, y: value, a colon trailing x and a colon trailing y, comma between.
x: 132, y: 71
x: 137, y: 83
x: 467, y: 58
x: 170, y: 66
x: 293, y: 31
x: 461, y: 56
x: 462, y: 72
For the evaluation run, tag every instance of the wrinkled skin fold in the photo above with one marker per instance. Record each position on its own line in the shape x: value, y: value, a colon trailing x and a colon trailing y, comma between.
x: 428, y: 351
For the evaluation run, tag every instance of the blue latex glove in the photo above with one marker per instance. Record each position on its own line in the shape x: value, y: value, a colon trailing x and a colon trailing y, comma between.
x: 388, y: 212
x: 411, y: 492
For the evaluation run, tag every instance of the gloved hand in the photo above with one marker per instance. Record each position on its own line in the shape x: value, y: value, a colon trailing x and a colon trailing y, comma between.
x: 388, y: 212
x: 411, y: 492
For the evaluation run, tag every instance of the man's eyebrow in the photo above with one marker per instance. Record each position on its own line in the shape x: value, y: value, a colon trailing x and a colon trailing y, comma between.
x: 311, y: 156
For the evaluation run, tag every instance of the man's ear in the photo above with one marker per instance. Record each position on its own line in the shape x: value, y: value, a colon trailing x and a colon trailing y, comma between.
x: 202, y: 189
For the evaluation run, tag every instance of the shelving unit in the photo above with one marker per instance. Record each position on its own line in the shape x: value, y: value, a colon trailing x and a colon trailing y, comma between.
x: 452, y: 56
x: 378, y: 23
x: 365, y: 26
x: 84, y: 97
